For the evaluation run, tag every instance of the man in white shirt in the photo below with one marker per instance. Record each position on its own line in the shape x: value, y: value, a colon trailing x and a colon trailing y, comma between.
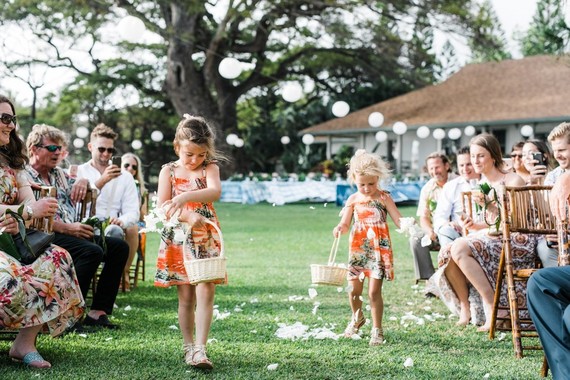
x: 449, y: 210
x: 118, y: 199
x: 439, y: 170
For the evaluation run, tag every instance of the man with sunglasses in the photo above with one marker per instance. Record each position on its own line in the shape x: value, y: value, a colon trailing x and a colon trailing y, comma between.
x: 45, y: 146
x: 118, y: 198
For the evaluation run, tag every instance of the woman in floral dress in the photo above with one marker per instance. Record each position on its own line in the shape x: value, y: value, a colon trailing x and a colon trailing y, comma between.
x: 45, y: 292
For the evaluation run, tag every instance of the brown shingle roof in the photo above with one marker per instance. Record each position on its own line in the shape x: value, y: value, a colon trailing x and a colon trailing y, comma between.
x: 528, y: 89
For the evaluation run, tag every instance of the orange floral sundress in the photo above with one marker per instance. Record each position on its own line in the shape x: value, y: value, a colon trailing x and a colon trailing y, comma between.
x: 202, y: 242
x: 369, y: 253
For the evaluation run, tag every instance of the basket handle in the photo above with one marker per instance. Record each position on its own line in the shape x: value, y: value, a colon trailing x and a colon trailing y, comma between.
x: 222, y: 246
x: 334, y: 249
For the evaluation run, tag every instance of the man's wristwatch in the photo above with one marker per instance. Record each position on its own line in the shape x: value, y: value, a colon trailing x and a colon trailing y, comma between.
x: 30, y: 212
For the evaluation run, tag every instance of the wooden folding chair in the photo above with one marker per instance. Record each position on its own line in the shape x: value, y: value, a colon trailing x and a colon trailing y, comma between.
x: 137, y: 270
x: 524, y: 210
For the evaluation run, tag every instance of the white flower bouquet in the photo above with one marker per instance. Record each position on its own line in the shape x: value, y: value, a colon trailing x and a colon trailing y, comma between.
x: 409, y: 228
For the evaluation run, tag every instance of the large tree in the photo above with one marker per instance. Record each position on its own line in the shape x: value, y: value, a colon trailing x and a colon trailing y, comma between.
x: 341, y: 46
x: 548, y: 33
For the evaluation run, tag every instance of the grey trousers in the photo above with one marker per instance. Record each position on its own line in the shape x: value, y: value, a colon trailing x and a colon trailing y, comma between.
x: 548, y: 295
x: 423, y: 265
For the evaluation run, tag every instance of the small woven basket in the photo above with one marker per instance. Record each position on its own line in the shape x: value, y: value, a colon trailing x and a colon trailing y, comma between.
x: 330, y: 274
x: 206, y: 270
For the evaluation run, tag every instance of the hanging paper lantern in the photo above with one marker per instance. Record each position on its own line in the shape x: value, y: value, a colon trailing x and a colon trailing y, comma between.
x: 438, y: 134
x: 292, y: 92
x: 340, y: 108
x: 399, y: 128
x: 229, y: 68
x: 454, y: 133
x: 375, y: 119
x: 136, y: 144
x: 131, y: 28
x: 469, y: 130
x: 285, y: 140
x: 381, y: 136
x: 526, y: 130
x: 422, y: 132
x: 308, y: 139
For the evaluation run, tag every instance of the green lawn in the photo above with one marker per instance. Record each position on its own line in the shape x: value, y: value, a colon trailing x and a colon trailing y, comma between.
x: 269, y: 251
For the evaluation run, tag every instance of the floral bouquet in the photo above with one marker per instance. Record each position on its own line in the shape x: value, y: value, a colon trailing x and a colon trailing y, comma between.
x: 491, y: 198
x: 169, y: 228
x: 409, y: 228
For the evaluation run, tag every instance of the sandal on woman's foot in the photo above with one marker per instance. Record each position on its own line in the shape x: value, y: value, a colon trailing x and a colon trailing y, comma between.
x: 33, y: 360
x: 199, y: 358
x: 353, y: 326
x: 188, y: 352
x: 376, y: 336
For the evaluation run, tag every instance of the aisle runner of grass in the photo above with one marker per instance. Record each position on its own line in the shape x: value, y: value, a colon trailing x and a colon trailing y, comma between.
x: 269, y: 252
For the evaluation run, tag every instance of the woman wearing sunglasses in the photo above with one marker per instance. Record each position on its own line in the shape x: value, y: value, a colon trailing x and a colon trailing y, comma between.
x: 132, y: 164
x: 46, y: 291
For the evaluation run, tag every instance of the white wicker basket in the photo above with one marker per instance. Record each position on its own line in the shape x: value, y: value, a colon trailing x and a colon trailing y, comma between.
x: 206, y: 270
x: 330, y: 274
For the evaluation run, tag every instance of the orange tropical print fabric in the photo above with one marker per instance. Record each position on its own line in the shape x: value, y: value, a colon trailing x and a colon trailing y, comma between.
x: 370, y: 247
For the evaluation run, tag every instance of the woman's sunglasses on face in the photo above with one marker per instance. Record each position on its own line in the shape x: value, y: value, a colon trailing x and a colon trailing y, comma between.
x: 109, y: 150
x: 134, y: 167
x: 51, y: 148
x: 516, y: 155
x: 7, y: 119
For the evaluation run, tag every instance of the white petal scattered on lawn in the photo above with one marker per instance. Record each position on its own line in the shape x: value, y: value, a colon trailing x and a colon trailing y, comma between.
x: 428, y: 302
x: 361, y: 276
x: 415, y: 286
x: 312, y: 207
x: 295, y: 298
x: 124, y: 314
x: 242, y: 304
x: 360, y: 298
x: 312, y: 293
x: 291, y: 308
x: 220, y: 315
x: 486, y: 376
x: 427, y: 308
x: 393, y: 318
x: 128, y: 308
x: 355, y: 337
x: 253, y: 331
x: 339, y: 290
x: 108, y: 339
x: 298, y: 331
x: 212, y: 340
x: 316, y: 307
x: 325, y: 205
x: 253, y: 300
x: 238, y: 309
x: 273, y: 204
x: 368, y: 308
x: 173, y: 327
x: 272, y: 367
x: 420, y: 322
x: 83, y: 335
x: 409, y: 362
x: 501, y: 336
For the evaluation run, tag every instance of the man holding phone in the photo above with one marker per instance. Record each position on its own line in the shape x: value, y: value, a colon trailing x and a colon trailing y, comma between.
x: 118, y: 199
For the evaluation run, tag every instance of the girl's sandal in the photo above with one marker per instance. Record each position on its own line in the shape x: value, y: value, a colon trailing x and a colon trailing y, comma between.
x: 376, y: 337
x: 188, y: 352
x: 199, y: 358
x: 354, y: 326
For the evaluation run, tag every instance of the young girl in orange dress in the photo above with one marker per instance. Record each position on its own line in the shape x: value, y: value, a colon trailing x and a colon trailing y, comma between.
x: 187, y: 188
x: 370, y: 248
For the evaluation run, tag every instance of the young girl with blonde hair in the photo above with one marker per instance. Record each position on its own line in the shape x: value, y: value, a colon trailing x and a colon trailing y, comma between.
x: 187, y: 188
x: 370, y: 248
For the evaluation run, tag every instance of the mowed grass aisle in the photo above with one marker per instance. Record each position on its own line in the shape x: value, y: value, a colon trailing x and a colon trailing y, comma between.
x: 269, y: 252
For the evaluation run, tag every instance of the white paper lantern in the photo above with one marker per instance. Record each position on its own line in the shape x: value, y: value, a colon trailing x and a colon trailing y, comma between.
x: 308, y: 139
x: 285, y: 140
x: 422, y: 132
x: 229, y: 68
x: 292, y: 92
x: 78, y: 143
x: 231, y: 138
x: 375, y: 119
x: 454, y: 133
x: 82, y: 132
x: 399, y: 127
x: 340, y: 108
x: 381, y: 136
x: 526, y: 130
x: 438, y: 134
x: 131, y: 28
x: 156, y: 136
x: 136, y: 144
x: 469, y: 130
x: 238, y: 143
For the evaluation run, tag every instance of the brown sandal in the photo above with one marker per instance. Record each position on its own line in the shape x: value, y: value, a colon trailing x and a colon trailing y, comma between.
x: 199, y: 358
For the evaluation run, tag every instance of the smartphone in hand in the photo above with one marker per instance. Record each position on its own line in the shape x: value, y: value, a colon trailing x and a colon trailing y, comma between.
x: 116, y: 160
x: 538, y: 156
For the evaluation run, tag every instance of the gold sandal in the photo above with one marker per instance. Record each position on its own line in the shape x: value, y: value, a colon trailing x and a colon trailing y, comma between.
x: 199, y: 358
x: 188, y: 352
x: 354, y: 326
x: 376, y: 336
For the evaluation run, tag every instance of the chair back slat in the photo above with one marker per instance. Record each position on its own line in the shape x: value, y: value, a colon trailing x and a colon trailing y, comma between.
x: 87, y: 206
x: 527, y: 210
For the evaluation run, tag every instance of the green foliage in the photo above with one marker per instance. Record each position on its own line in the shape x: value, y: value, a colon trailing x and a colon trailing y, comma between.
x: 488, y: 42
x: 548, y: 33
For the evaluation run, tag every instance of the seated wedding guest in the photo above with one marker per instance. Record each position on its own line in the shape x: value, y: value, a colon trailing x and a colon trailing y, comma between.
x: 132, y: 164
x: 439, y: 170
x: 449, y: 208
x: 467, y: 275
x: 548, y: 295
x: 44, y: 146
x: 117, y: 199
x: 517, y: 161
x: 24, y: 304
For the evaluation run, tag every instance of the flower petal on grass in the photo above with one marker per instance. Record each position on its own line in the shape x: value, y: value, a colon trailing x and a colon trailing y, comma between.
x: 173, y: 327
x: 409, y: 362
x: 272, y: 367
x: 312, y: 293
